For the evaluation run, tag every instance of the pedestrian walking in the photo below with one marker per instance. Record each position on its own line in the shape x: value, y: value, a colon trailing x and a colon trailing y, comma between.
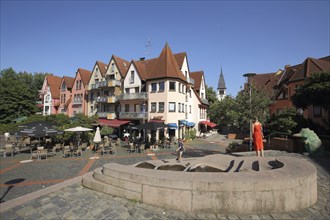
x: 180, y: 150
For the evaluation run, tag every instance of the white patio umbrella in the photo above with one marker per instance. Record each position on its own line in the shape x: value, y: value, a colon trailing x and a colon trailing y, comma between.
x: 78, y: 129
x: 97, y: 138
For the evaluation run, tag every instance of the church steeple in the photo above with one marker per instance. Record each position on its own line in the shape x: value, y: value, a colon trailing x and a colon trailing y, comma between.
x: 221, y: 90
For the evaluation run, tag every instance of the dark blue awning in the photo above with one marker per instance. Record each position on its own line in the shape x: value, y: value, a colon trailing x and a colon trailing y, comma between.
x: 173, y: 125
x: 184, y: 122
x: 190, y: 124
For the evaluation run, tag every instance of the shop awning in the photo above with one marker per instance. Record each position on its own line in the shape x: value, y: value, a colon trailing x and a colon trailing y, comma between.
x: 173, y: 125
x: 212, y: 125
x: 156, y: 120
x: 190, y: 124
x: 184, y: 122
x: 114, y: 123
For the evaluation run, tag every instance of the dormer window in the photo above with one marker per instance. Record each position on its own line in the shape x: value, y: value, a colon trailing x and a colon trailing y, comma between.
x: 112, y: 67
x: 63, y: 86
x: 131, y: 79
x: 96, y: 72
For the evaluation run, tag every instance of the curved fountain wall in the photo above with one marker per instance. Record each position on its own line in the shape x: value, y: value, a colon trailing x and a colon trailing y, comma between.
x: 214, y: 183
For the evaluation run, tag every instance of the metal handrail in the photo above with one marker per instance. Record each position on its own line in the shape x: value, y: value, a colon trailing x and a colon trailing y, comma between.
x: 275, y: 133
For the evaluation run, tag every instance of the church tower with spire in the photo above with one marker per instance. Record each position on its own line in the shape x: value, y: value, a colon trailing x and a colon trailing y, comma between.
x: 221, y: 90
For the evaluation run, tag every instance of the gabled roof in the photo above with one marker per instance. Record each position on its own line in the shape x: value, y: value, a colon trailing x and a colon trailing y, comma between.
x: 180, y: 58
x: 68, y: 81
x: 165, y: 66
x: 265, y: 82
x: 197, y: 76
x: 121, y: 64
x: 310, y: 66
x: 140, y: 67
x: 54, y: 83
x: 102, y: 67
x: 85, y: 75
x: 288, y: 73
x: 221, y: 82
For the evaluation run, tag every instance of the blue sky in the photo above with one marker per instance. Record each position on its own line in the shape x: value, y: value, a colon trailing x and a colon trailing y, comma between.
x: 240, y: 36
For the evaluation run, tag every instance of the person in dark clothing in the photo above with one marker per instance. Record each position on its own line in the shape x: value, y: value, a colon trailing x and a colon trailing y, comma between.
x: 180, y: 150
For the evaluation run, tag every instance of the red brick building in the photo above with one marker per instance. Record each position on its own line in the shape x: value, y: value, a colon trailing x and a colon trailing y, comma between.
x: 281, y: 86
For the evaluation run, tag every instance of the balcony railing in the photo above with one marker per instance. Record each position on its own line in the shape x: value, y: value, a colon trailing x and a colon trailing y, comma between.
x: 191, y: 81
x: 77, y: 102
x: 105, y: 114
x: 132, y: 96
x: 113, y: 83
x: 133, y: 115
x: 102, y: 84
x: 106, y: 99
x: 205, y: 101
x: 106, y: 83
x: 112, y: 99
x: 111, y: 116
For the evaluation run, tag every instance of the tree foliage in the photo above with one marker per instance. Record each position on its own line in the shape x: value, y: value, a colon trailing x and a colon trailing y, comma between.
x: 315, y: 91
x: 284, y: 122
x: 224, y: 112
x: 235, y: 112
x: 211, y: 95
x: 18, y: 94
x: 105, y: 131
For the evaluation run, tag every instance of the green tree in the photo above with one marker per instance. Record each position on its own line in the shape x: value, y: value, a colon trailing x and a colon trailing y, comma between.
x: 315, y: 91
x: 284, y: 122
x: 16, y: 98
x: 224, y: 112
x: 18, y: 94
x: 259, y: 107
x: 105, y: 131
x: 211, y: 95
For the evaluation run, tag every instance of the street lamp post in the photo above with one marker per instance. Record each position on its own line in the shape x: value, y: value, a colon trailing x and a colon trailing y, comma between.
x: 143, y: 118
x: 248, y: 76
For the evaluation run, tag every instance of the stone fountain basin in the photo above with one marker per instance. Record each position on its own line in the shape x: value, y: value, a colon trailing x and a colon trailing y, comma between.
x: 242, y: 185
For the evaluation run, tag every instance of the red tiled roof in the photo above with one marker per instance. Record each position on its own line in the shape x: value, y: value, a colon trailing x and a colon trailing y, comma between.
x: 102, y: 67
x: 310, y: 66
x: 121, y: 64
x: 68, y: 81
x: 197, y: 76
x: 141, y: 68
x: 85, y: 75
x: 180, y: 58
x: 166, y: 66
x: 265, y: 82
x: 114, y: 123
x: 54, y: 84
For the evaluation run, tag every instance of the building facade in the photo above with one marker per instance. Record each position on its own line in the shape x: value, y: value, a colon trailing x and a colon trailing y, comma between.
x: 79, y: 95
x: 50, y: 94
x: 65, y: 96
x: 160, y: 89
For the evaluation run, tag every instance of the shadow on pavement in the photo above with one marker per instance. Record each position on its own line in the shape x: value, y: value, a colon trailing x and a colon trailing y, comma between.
x: 322, y: 160
x: 10, y: 183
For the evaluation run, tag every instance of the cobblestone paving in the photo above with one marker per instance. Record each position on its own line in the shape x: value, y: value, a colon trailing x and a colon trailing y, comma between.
x: 77, y: 202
